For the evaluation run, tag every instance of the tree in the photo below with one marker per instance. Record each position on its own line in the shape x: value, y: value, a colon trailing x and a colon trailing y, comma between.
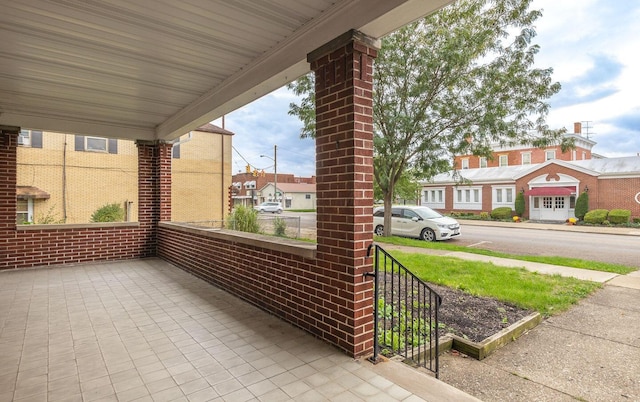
x: 457, y: 82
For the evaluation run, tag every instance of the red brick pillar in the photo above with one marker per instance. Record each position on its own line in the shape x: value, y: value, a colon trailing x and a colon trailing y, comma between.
x: 344, y: 167
x: 154, y: 189
x: 8, y: 180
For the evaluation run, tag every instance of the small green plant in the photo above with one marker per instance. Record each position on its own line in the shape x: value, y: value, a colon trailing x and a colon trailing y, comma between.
x: 519, y: 206
x: 502, y: 213
x: 109, y: 213
x: 636, y: 220
x: 279, y: 227
x: 484, y: 216
x: 582, y: 205
x: 596, y: 216
x: 48, y: 218
x: 619, y: 216
x: 606, y: 223
x: 244, y: 219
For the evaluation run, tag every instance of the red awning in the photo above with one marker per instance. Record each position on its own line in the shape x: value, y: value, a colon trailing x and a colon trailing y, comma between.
x: 25, y: 192
x: 542, y: 191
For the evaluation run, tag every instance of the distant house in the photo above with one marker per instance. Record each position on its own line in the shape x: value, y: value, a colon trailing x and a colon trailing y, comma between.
x: 549, y: 179
x: 291, y: 195
x: 248, y: 189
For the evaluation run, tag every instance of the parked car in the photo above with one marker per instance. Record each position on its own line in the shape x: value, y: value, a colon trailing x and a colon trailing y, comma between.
x: 269, y: 206
x: 418, y: 222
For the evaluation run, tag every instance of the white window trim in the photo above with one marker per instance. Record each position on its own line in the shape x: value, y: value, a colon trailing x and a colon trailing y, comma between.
x: 504, y: 202
x: 434, y: 204
x: 29, y: 210
x: 86, y: 144
x: 546, y: 155
x: 464, y: 163
x: 24, y: 140
x: 522, y: 158
x: 462, y: 204
x: 506, y: 158
x: 483, y: 162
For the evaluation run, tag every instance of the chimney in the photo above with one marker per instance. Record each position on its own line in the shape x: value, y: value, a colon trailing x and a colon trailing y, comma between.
x: 577, y: 127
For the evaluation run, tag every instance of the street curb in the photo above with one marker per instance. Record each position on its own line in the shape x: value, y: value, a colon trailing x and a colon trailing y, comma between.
x: 621, y: 231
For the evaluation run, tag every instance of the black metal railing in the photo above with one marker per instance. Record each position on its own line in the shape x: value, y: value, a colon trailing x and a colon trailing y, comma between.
x: 405, y: 313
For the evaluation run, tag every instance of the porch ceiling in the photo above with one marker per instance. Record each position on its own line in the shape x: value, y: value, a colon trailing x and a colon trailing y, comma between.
x: 155, y: 69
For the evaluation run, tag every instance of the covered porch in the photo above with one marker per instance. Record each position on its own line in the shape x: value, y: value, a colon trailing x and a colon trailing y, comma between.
x: 151, y: 72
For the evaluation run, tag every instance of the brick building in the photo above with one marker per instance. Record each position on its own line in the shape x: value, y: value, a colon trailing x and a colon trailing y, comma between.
x: 250, y: 189
x: 550, y: 180
x: 64, y: 178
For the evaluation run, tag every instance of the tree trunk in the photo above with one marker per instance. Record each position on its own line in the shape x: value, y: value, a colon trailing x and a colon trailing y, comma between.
x: 388, y: 202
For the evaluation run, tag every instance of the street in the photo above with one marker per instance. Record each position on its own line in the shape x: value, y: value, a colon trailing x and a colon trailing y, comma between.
x: 587, y: 246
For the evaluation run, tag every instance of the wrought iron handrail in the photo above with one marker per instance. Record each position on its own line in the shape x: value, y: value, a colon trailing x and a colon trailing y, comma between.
x: 405, y: 313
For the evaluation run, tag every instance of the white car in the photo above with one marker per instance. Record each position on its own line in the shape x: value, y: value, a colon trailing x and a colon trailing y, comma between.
x: 418, y: 222
x: 269, y: 206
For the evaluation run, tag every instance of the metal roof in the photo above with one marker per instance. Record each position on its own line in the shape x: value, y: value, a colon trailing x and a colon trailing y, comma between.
x: 156, y: 69
x: 598, y: 167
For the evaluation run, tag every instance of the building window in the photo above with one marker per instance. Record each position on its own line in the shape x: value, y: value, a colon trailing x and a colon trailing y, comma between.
x: 96, y: 144
x: 584, y: 155
x: 307, y: 196
x: 434, y: 198
x: 526, y: 158
x: 550, y: 154
x: 536, y: 202
x: 465, y: 163
x: 503, y: 196
x: 572, y: 202
x: 24, y: 211
x: 469, y: 198
x: 30, y: 138
x: 175, y: 151
x: 504, y: 160
x: 483, y: 162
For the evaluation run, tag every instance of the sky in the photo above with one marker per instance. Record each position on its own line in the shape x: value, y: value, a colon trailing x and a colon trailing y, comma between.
x: 593, y: 47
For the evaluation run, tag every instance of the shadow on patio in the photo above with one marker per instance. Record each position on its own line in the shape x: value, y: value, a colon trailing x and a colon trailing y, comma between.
x: 144, y: 329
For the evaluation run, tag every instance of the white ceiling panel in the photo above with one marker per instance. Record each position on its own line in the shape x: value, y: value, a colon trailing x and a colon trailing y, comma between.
x: 155, y: 69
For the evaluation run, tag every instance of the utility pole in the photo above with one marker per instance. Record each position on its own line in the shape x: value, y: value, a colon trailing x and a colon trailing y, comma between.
x: 275, y: 170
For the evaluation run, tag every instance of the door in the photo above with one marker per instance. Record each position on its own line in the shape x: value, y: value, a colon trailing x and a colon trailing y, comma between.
x: 554, y: 208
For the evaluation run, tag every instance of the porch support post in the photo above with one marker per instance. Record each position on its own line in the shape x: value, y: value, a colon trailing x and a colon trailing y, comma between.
x: 344, y: 168
x: 8, y: 181
x: 154, y: 189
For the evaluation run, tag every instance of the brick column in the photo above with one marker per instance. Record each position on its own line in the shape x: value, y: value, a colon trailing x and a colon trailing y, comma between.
x: 8, y: 178
x: 154, y: 189
x: 344, y: 167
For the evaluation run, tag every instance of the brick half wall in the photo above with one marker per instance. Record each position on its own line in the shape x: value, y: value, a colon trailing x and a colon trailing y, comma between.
x: 280, y: 276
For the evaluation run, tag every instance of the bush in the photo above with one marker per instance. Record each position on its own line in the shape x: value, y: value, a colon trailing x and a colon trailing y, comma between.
x: 484, y: 216
x: 244, y: 219
x: 606, y: 223
x: 279, y: 227
x: 582, y: 205
x: 502, y: 213
x: 109, y: 213
x: 636, y: 220
x: 519, y: 204
x: 619, y: 216
x: 596, y: 216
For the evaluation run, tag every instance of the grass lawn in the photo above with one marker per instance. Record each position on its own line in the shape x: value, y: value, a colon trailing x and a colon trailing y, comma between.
x: 547, y: 294
x: 563, y: 261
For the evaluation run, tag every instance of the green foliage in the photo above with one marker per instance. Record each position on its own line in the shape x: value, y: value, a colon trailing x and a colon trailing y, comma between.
x: 582, y: 205
x: 464, y: 72
x: 596, y: 216
x: 279, y: 227
x: 547, y: 294
x: 636, y: 220
x: 519, y: 204
x: 619, y: 216
x: 244, y: 219
x: 401, y: 327
x: 113, y: 212
x: 484, y: 216
x: 48, y: 218
x: 502, y: 213
x: 553, y: 260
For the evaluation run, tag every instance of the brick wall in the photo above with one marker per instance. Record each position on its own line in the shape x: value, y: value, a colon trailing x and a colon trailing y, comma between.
x: 39, y: 245
x: 618, y: 193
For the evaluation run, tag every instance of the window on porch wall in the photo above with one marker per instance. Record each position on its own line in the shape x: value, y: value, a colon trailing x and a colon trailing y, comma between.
x: 468, y: 198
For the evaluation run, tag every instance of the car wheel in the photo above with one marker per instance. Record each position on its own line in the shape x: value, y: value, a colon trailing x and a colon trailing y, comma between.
x: 379, y: 230
x: 279, y: 211
x: 428, y: 235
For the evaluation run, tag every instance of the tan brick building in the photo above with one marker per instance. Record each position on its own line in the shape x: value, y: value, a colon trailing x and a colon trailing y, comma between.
x: 66, y: 177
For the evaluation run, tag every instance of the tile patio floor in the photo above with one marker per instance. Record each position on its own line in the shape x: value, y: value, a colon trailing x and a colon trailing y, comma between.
x: 145, y: 330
